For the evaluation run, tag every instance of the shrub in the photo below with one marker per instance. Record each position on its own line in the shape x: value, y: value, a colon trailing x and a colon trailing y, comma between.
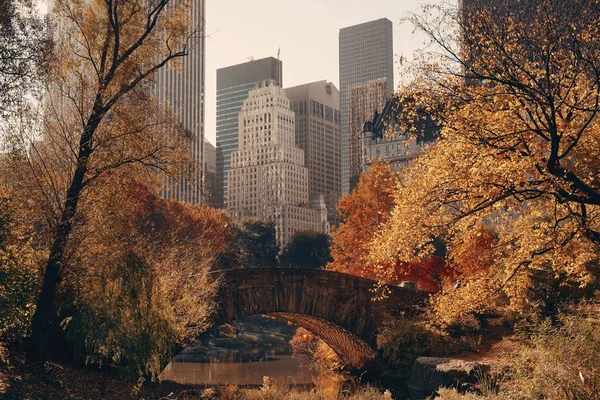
x: 314, y: 352
x: 143, y: 288
x: 561, y: 360
x: 401, y: 341
x: 19, y: 275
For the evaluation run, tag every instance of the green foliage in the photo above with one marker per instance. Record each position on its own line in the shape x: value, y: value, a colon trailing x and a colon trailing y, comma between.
x: 19, y: 283
x: 555, y: 290
x: 256, y: 244
x: 306, y: 250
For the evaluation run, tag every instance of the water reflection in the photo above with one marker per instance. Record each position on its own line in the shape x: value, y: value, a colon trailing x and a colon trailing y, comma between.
x: 245, y: 367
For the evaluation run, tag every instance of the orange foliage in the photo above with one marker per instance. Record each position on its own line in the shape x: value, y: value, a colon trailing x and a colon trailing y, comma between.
x: 363, y: 211
x: 317, y: 354
x: 473, y: 251
x: 202, y: 227
x: 429, y: 275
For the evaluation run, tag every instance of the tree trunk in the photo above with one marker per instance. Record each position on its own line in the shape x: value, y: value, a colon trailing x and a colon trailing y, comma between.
x: 42, y: 318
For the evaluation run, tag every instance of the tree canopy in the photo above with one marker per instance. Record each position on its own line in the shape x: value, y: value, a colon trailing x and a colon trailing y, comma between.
x: 362, y: 212
x: 100, y: 117
x: 517, y: 95
x: 306, y: 250
x: 256, y: 244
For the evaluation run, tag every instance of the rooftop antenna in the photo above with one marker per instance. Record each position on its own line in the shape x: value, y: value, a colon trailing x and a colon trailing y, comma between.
x: 280, y: 77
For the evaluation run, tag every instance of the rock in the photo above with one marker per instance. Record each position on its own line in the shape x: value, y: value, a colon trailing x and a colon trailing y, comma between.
x: 408, y: 285
x: 430, y: 373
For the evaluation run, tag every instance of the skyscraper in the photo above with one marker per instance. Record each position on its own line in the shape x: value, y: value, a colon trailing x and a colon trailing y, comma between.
x: 233, y: 85
x: 267, y: 177
x: 183, y: 90
x: 317, y: 109
x: 210, y: 173
x: 366, y: 53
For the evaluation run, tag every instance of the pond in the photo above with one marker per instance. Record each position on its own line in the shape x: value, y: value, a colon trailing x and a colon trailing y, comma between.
x: 245, y: 368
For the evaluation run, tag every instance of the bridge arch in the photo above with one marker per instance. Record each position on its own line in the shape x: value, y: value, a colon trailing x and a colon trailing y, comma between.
x: 336, y: 307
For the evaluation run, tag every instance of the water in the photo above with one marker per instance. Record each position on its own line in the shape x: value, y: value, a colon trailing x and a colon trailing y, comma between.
x: 209, y: 366
x: 245, y: 368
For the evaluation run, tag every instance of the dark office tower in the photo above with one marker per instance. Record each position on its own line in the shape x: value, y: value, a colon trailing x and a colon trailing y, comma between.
x: 210, y: 173
x: 183, y: 90
x: 233, y: 85
x: 366, y: 54
x: 317, y: 109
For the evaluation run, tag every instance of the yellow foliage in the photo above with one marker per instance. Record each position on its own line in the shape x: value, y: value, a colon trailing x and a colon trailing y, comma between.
x: 513, y: 184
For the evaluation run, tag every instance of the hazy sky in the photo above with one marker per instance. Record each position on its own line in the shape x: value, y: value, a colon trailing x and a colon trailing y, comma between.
x: 305, y: 30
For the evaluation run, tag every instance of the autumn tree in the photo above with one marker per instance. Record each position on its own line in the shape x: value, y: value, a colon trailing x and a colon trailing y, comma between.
x: 143, y: 289
x: 517, y: 94
x: 99, y: 116
x: 306, y: 250
x: 362, y: 212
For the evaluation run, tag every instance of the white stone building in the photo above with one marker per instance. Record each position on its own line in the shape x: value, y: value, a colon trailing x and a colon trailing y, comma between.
x: 267, y: 177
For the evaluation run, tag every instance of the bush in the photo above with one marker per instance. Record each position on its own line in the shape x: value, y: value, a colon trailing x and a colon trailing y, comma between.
x: 401, y: 341
x: 561, y: 360
x: 19, y: 275
x: 274, y: 392
x: 143, y: 288
x: 314, y: 352
x: 19, y: 283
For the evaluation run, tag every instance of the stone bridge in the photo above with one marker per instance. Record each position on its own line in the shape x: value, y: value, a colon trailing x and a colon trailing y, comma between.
x: 338, y: 308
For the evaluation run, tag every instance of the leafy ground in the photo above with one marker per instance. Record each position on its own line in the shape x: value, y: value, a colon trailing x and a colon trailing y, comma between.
x: 20, y: 379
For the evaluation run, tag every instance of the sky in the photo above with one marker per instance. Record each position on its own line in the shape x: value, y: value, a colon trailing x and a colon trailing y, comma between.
x: 306, y: 31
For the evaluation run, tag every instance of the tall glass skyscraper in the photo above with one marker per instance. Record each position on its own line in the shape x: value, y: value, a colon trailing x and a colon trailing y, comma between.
x: 366, y: 54
x: 233, y: 85
x: 183, y: 90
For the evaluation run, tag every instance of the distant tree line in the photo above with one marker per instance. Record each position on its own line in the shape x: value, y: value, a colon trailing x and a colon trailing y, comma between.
x: 254, y: 245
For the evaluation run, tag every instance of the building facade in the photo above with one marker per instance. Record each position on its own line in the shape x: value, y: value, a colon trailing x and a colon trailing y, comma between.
x: 210, y: 173
x: 317, y: 109
x: 233, y: 85
x: 267, y: 178
x: 183, y: 91
x: 366, y: 53
x: 384, y: 140
x: 363, y: 100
